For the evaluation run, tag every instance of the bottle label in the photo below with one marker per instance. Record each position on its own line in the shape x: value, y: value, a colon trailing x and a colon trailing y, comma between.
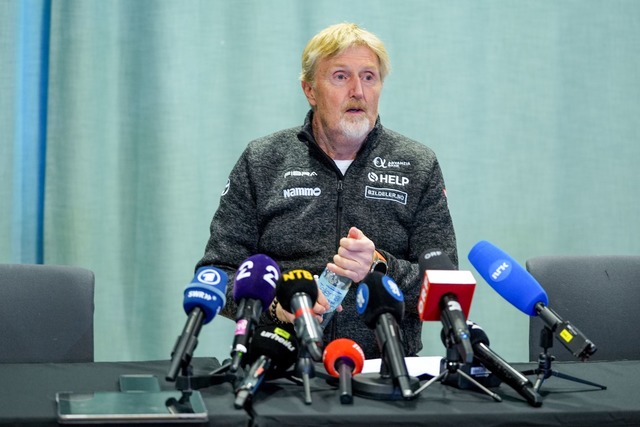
x: 333, y: 287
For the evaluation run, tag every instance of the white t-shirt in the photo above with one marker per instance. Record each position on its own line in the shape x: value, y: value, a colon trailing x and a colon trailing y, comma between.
x: 343, y: 165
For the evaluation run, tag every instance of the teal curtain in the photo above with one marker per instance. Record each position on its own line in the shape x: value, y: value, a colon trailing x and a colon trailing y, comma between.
x: 120, y: 120
x: 24, y: 56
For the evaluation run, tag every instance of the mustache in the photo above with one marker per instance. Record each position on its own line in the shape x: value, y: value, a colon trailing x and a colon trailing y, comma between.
x: 355, y: 106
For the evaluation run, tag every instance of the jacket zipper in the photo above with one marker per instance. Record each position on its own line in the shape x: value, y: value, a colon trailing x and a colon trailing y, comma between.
x: 339, y: 207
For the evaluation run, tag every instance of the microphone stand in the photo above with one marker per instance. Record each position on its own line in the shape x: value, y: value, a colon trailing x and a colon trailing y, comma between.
x: 544, y: 370
x: 187, y: 381
x: 305, y: 370
x: 393, y: 382
x: 186, y: 385
x: 182, y: 405
x: 451, y: 366
x: 381, y: 385
x: 185, y: 344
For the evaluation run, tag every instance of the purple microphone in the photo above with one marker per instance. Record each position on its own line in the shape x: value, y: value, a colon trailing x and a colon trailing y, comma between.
x: 253, y: 290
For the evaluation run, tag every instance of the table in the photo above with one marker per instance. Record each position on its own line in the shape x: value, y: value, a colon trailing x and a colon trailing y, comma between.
x: 28, y: 391
x: 28, y: 398
x: 566, y: 403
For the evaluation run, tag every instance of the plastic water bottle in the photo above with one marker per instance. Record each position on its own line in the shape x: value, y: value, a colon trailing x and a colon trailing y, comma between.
x: 334, y: 288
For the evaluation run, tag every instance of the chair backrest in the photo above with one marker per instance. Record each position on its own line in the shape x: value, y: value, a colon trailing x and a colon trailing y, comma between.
x: 599, y: 295
x: 46, y: 313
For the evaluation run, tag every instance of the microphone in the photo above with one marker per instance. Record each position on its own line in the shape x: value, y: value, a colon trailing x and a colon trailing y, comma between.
x: 446, y: 295
x: 342, y: 359
x: 515, y: 284
x: 273, y: 350
x: 380, y: 303
x: 297, y: 292
x: 204, y: 297
x: 253, y: 290
x: 500, y: 368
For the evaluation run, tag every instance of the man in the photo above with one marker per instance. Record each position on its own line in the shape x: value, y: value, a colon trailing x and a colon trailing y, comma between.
x: 341, y: 182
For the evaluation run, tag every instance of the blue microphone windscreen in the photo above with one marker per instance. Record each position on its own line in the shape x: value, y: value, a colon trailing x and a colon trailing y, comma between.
x: 206, y: 291
x: 256, y: 278
x: 512, y: 281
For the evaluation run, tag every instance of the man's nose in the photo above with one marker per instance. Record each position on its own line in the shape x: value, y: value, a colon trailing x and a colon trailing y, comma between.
x: 356, y: 89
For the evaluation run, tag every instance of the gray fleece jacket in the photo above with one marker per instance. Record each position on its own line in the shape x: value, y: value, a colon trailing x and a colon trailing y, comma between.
x: 286, y: 198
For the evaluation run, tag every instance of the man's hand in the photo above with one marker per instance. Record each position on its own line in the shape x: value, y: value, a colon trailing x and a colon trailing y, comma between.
x: 319, y: 308
x: 355, y: 256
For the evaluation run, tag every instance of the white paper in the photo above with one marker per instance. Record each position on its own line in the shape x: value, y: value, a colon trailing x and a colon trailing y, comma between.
x: 416, y: 366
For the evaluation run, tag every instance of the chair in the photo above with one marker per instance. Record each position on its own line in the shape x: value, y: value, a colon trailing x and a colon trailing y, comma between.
x: 599, y: 295
x: 46, y: 313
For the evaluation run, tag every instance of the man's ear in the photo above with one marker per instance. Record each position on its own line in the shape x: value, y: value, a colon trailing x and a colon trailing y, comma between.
x: 307, y: 88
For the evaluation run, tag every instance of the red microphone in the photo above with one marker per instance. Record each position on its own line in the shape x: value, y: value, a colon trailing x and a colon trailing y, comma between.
x: 446, y: 295
x: 342, y: 359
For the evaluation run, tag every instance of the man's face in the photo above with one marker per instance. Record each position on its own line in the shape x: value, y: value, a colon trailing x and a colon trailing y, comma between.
x: 345, y: 93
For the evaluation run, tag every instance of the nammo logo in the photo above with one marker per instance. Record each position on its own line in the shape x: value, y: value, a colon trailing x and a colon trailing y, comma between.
x: 301, y: 191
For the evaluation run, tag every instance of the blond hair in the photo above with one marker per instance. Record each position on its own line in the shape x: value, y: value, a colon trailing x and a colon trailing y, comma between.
x: 335, y: 39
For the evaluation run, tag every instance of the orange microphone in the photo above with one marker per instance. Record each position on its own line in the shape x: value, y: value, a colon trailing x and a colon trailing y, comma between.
x: 342, y: 359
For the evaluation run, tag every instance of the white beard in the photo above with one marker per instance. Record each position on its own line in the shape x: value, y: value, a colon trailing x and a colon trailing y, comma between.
x: 355, y: 129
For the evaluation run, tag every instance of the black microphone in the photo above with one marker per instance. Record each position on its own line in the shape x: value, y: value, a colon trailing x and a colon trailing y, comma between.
x: 446, y: 294
x: 253, y: 290
x: 380, y: 303
x: 500, y: 368
x: 273, y: 350
x: 204, y: 297
x: 297, y: 292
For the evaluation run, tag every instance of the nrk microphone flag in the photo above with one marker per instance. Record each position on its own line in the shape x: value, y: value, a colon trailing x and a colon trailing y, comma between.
x: 507, y: 277
x: 515, y: 284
